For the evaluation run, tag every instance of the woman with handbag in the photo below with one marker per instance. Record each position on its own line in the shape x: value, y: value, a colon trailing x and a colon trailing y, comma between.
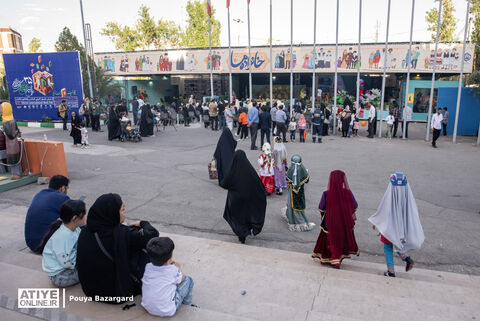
x: 110, y: 255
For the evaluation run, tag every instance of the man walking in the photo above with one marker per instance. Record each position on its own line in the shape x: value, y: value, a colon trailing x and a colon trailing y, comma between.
x: 317, y: 124
x: 280, y: 119
x: 135, y: 105
x: 396, y: 116
x: 372, y: 118
x: 445, y: 121
x: 407, y: 116
x: 436, y: 126
x: 63, y: 113
x: 252, y: 117
x: 213, y: 112
x: 273, y: 112
x: 221, y: 114
x: 265, y: 123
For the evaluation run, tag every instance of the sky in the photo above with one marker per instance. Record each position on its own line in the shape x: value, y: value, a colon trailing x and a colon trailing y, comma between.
x: 45, y: 19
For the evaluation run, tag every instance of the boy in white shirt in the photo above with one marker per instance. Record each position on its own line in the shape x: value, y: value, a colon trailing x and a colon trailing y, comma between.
x: 164, y: 286
x: 390, y: 120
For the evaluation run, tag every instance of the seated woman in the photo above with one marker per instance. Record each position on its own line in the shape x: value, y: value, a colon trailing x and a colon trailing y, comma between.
x: 111, y: 257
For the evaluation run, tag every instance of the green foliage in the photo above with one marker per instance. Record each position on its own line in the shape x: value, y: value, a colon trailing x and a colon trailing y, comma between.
x: 4, y: 93
x: 34, y: 45
x: 474, y: 79
x: 448, y: 22
x: 69, y: 42
x: 196, y: 33
x: 475, y: 12
x: 146, y: 33
x: 106, y: 85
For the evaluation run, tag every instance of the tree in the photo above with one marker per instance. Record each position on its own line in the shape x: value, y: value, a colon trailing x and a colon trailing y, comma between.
x: 106, y: 85
x: 196, y: 33
x: 475, y: 12
x: 146, y: 33
x: 34, y: 45
x: 448, y: 22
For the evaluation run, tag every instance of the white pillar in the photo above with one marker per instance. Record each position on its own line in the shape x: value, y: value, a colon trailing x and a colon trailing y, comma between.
x: 462, y: 58
x: 358, y: 54
x: 291, y: 58
x: 382, y: 102
x: 86, y: 53
x: 432, y: 87
x: 230, y: 58
x: 314, y: 51
x: 271, y: 59
x: 408, y: 71
x: 249, y: 55
x: 335, y: 86
x: 211, y: 58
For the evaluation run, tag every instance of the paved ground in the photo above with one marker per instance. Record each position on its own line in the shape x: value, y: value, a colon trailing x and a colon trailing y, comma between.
x: 164, y: 179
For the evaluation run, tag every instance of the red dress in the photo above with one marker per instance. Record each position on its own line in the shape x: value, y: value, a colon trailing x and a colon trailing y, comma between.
x: 338, y: 207
x: 266, y: 174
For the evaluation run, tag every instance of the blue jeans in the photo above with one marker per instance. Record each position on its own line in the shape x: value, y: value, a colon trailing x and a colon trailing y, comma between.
x: 184, y: 293
x: 221, y: 121
x: 388, y: 252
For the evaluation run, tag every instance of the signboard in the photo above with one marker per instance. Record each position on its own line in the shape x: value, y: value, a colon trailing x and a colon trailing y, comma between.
x: 372, y: 59
x: 38, y: 82
x: 410, y: 98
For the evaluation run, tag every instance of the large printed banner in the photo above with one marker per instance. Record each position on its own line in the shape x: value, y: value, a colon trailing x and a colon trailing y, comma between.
x: 38, y: 82
x: 373, y: 59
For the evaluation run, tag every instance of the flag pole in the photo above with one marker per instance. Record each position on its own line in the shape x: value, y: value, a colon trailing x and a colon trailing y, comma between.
x: 210, y: 53
x: 382, y: 102
x: 229, y: 54
x: 462, y: 58
x: 291, y: 58
x: 335, y: 89
x: 432, y: 87
x: 271, y: 58
x: 249, y: 54
x: 409, y: 55
x: 314, y: 51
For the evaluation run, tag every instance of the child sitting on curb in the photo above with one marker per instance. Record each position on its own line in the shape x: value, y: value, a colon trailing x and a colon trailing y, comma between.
x: 164, y: 286
x: 59, y: 246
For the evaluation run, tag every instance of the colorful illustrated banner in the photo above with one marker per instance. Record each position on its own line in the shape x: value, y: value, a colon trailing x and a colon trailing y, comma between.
x: 38, y: 82
x: 373, y: 59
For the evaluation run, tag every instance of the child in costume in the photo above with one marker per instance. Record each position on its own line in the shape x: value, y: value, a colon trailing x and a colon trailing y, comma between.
x: 84, y: 133
x: 297, y: 177
x: 302, y: 126
x: 398, y: 222
x: 279, y: 165
x: 266, y: 168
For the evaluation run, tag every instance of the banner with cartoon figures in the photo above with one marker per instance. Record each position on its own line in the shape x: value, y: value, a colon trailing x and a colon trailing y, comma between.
x: 38, y: 82
x: 372, y: 59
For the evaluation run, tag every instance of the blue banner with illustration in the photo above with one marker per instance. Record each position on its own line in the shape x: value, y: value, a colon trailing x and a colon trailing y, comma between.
x: 39, y: 82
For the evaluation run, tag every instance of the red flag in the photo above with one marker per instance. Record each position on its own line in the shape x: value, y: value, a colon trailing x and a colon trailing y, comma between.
x: 209, y: 8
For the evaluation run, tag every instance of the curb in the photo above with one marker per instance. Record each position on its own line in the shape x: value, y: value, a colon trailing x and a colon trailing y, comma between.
x: 38, y: 124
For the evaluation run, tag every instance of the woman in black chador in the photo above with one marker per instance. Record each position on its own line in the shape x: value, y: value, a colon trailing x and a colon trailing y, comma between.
x: 246, y: 198
x: 224, y: 154
x: 146, y: 121
x: 114, y: 127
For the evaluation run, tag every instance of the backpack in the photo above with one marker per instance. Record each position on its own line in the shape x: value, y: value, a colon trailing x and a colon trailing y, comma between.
x: 58, y: 112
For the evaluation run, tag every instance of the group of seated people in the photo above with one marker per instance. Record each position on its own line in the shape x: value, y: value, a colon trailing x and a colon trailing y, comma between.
x: 113, y: 262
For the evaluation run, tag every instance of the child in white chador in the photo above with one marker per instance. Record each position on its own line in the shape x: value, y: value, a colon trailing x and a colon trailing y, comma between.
x: 266, y: 168
x: 398, y: 222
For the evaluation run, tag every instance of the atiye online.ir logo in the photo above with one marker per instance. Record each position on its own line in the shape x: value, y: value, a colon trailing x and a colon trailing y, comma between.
x: 40, y: 298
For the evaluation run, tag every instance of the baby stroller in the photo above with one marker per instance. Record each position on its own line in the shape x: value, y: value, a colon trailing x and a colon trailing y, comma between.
x: 130, y: 134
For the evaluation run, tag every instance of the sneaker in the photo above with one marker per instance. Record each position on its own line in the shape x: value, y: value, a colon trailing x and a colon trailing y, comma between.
x: 409, y: 263
x: 390, y: 274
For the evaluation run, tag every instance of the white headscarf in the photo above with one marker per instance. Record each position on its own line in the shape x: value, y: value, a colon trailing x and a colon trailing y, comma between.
x: 279, y: 154
x: 397, y: 216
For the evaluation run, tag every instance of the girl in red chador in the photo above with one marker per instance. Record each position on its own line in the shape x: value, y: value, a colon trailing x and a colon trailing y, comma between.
x: 266, y: 168
x: 337, y: 239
